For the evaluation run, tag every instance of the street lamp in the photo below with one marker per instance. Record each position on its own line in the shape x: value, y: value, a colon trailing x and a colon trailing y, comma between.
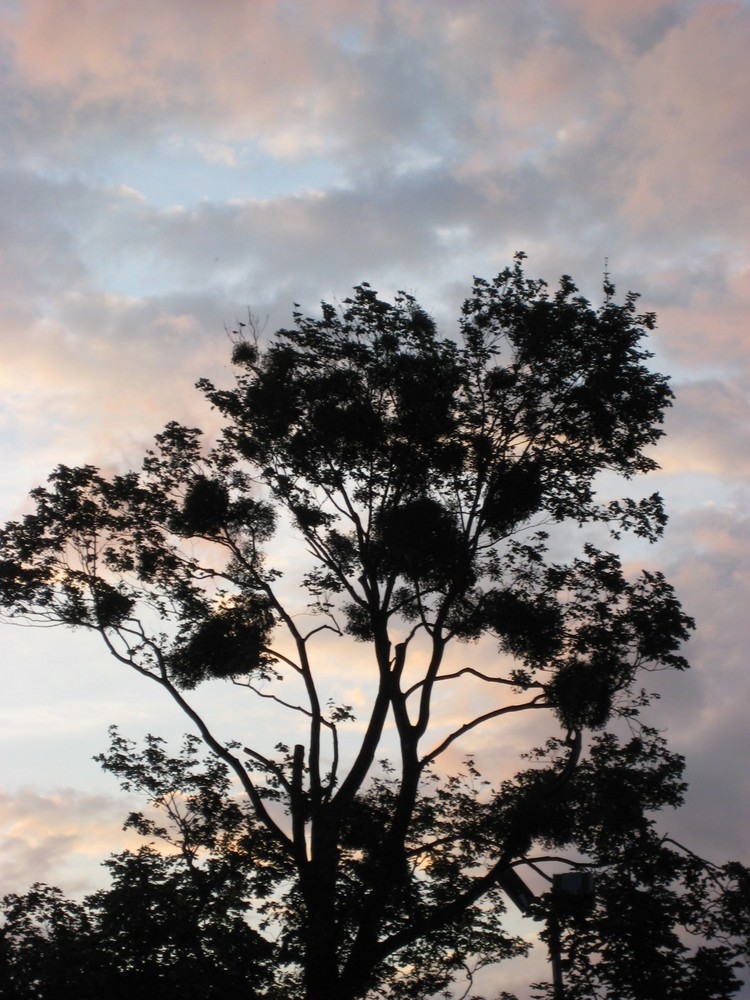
x: 565, y: 886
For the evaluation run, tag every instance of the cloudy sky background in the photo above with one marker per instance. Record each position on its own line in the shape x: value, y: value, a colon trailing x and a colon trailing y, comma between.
x: 163, y: 167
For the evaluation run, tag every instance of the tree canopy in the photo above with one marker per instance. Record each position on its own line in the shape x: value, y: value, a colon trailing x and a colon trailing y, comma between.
x: 426, y: 481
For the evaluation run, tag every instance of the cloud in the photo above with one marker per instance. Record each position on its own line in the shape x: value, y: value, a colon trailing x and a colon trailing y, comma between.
x: 706, y: 555
x: 703, y: 312
x: 58, y: 835
x: 541, y: 124
x: 688, y: 134
x: 708, y: 431
x: 261, y: 69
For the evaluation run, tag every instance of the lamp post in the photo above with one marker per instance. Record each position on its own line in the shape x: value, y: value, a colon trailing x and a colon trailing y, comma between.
x: 565, y: 886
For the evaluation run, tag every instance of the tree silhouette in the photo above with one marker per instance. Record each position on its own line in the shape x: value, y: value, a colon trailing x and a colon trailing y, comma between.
x: 422, y: 478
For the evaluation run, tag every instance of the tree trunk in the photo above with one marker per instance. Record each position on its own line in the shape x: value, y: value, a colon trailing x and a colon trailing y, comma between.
x: 321, y: 935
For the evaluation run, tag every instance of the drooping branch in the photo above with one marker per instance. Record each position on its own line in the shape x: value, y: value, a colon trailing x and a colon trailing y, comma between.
x: 222, y: 752
x: 474, y: 673
x: 539, y: 701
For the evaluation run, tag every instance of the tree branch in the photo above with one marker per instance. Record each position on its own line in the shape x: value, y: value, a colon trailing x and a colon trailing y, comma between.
x: 475, y: 673
x: 507, y: 710
x: 218, y: 748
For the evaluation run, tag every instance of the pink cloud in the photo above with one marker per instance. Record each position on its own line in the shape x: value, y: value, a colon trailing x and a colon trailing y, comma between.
x: 241, y: 67
x: 620, y: 27
x: 686, y: 145
x: 712, y: 323
x: 61, y: 834
x: 708, y: 432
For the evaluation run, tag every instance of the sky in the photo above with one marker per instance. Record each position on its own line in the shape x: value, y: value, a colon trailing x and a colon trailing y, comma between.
x: 164, y: 168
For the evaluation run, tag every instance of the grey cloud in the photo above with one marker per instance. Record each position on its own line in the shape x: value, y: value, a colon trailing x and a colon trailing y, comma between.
x: 708, y: 432
x: 38, y: 253
x: 707, y: 554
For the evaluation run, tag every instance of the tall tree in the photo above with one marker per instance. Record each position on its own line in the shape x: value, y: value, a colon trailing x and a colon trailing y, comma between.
x: 421, y: 477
